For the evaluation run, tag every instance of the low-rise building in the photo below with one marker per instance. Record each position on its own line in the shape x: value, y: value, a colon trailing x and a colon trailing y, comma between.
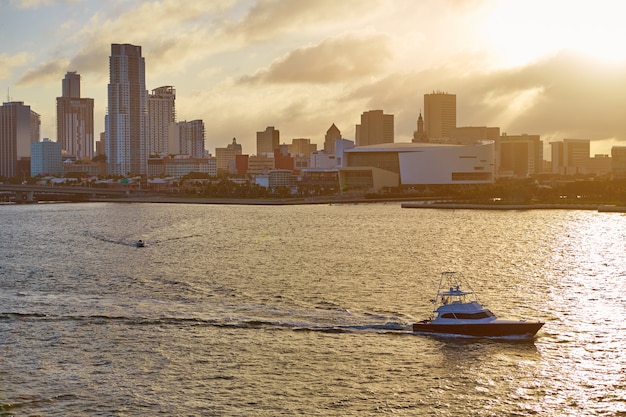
x: 428, y: 163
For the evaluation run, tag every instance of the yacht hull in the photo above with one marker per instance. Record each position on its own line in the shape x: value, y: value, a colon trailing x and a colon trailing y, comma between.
x: 520, y: 329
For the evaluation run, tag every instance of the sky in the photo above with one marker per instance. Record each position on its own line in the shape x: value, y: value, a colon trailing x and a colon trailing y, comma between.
x: 551, y: 68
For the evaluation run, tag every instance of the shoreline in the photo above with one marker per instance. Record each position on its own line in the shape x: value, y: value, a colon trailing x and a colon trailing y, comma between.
x: 601, y: 208
x: 408, y: 202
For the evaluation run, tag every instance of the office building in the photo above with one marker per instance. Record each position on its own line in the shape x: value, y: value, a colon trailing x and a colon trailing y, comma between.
x: 180, y: 165
x: 75, y: 127
x: 126, y: 122
x: 571, y: 156
x: 618, y: 162
x: 191, y: 138
x: 375, y: 128
x: 267, y: 141
x: 439, y: 115
x: 519, y: 155
x: 161, y: 113
x: 302, y: 147
x: 226, y: 157
x: 332, y: 135
x: 260, y: 164
x: 600, y: 165
x: 471, y: 134
x: 46, y: 158
x: 19, y: 127
x: 323, y: 160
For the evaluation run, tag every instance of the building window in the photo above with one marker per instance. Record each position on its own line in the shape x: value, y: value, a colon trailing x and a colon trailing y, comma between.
x: 471, y: 176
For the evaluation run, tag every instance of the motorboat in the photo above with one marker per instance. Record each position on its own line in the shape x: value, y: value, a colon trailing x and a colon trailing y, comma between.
x: 456, y: 311
x: 140, y: 244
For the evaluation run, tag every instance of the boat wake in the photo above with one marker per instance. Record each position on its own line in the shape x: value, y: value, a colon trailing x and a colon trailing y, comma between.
x: 392, y: 325
x: 134, y: 243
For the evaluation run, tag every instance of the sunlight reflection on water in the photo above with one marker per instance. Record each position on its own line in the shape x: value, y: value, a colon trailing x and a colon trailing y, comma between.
x: 236, y: 310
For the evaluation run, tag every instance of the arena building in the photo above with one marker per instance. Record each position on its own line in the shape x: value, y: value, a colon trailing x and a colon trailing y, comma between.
x: 424, y: 163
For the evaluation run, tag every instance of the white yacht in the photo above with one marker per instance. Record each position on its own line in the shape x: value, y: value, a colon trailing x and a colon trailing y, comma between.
x: 456, y: 311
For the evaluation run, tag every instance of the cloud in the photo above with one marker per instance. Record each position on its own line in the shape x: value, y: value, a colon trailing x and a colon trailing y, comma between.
x: 172, y: 37
x: 563, y: 95
x: 269, y: 18
x: 35, y: 4
x: 334, y: 60
x: 46, y: 71
x: 9, y: 62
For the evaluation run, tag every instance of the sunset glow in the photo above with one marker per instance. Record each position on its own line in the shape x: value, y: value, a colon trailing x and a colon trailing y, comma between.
x: 522, y: 32
x: 548, y: 68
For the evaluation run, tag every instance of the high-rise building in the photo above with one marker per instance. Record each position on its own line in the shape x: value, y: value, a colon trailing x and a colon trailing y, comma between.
x: 519, y: 155
x: 571, y: 156
x: 46, y: 158
x: 226, y: 157
x: 375, y: 128
x: 267, y: 141
x: 618, y: 162
x: 191, y: 137
x: 332, y: 135
x: 126, y: 122
x: 75, y: 131
x: 302, y: 147
x: 439, y: 115
x: 161, y: 113
x: 469, y: 135
x: 420, y: 134
x: 19, y: 127
x: 71, y: 85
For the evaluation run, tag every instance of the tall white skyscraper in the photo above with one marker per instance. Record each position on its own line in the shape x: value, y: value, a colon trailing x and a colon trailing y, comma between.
x: 75, y: 120
x: 161, y: 113
x: 126, y: 124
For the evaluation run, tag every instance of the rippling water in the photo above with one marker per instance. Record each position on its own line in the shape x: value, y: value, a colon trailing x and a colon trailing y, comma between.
x: 304, y: 310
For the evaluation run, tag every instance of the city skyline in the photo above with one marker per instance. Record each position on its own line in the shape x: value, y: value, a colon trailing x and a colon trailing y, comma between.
x: 301, y: 66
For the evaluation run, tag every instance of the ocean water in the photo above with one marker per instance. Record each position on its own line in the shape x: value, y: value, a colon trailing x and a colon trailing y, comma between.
x: 304, y: 310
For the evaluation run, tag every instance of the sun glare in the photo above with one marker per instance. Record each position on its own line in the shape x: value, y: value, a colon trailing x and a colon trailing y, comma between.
x: 521, y: 32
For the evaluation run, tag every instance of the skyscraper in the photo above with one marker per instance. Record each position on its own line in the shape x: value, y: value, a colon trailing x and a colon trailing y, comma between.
x: 420, y: 135
x: 71, y: 85
x: 161, y: 113
x: 439, y: 115
x: 519, y: 155
x: 75, y: 120
x: 332, y: 135
x: 267, y: 141
x: 126, y: 122
x: 571, y: 156
x: 19, y: 127
x: 375, y: 128
x: 191, y: 136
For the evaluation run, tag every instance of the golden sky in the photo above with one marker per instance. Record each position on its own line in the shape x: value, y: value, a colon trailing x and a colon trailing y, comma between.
x: 553, y: 68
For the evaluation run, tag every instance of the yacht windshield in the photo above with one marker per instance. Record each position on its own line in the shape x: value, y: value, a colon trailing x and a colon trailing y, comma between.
x: 468, y: 316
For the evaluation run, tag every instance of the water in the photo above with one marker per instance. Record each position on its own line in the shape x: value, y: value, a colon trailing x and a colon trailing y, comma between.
x: 304, y: 310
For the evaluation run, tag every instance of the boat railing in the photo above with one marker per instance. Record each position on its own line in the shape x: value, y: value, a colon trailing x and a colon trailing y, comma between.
x: 451, y: 290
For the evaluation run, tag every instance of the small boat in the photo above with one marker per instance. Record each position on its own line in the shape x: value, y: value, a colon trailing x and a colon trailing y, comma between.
x: 140, y: 244
x: 456, y: 311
